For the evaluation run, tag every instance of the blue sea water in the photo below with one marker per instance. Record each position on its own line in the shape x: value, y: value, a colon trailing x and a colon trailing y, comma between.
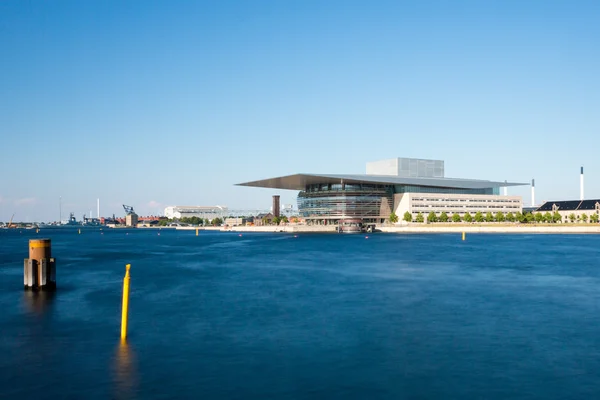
x: 307, y: 316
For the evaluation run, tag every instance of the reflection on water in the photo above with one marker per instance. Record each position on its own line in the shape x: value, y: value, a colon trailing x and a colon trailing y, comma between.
x: 38, y: 302
x: 125, y: 372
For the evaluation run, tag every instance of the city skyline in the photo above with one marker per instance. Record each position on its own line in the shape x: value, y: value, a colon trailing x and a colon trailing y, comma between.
x: 155, y: 104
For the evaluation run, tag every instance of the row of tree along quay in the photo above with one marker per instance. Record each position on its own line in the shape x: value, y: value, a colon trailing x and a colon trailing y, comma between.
x: 524, y: 218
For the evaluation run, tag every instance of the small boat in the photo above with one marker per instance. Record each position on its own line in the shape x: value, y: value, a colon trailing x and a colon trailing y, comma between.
x: 350, y: 226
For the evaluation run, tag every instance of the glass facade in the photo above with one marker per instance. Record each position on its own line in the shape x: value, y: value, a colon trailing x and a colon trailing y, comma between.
x: 336, y: 201
x: 428, y: 189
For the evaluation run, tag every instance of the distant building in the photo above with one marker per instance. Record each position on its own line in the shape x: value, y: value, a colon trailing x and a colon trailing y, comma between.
x: 568, y: 207
x: 236, y: 221
x: 204, y: 212
x: 529, y: 209
x: 131, y: 220
x: 263, y: 219
x: 400, y: 185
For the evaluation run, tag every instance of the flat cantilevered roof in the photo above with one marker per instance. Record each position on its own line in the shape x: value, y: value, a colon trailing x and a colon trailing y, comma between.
x: 299, y: 181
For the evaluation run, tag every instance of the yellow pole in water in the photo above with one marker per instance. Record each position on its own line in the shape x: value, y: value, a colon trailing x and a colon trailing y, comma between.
x: 125, y: 310
x: 464, y: 234
x: 196, y: 231
x: 79, y: 231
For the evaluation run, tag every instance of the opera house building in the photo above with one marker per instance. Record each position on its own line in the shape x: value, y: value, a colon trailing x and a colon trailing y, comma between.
x: 399, y: 185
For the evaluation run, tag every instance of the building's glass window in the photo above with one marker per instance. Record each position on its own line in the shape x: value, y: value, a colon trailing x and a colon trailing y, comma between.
x: 427, y: 189
x: 355, y: 201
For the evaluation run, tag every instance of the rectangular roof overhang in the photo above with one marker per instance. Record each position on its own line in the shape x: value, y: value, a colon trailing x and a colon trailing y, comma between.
x: 299, y: 181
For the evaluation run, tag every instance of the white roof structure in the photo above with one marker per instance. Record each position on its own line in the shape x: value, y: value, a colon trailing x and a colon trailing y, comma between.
x: 299, y: 181
x: 394, y: 171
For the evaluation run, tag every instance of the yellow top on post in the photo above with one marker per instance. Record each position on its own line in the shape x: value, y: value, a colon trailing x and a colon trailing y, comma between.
x: 39, y: 249
x: 38, y: 243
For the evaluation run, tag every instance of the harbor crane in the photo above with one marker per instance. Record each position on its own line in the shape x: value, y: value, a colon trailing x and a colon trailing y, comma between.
x: 10, y: 224
x: 128, y: 210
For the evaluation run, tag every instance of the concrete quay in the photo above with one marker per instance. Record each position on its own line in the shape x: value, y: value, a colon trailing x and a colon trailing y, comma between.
x: 285, y: 228
x: 418, y: 228
x: 516, y: 228
x: 268, y: 228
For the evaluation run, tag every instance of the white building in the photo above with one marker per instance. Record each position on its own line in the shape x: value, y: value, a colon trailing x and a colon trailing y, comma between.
x: 204, y: 212
x: 460, y: 204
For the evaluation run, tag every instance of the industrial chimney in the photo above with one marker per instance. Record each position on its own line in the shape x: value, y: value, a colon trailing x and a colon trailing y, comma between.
x: 533, y: 193
x: 276, y: 206
x: 581, y: 185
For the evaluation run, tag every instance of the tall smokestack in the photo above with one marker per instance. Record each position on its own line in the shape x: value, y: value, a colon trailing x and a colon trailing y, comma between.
x: 276, y: 205
x: 98, y: 213
x: 532, y: 192
x: 581, y: 185
x: 505, y: 189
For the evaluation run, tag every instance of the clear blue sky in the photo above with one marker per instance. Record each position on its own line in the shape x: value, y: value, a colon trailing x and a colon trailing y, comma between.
x: 152, y: 103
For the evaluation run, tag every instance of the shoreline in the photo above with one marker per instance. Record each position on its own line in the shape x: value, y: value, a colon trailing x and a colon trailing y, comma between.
x: 516, y: 229
x: 415, y: 229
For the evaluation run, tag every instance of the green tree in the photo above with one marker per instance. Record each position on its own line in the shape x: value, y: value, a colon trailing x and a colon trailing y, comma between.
x: 500, y: 216
x: 284, y: 220
x: 192, y: 220
x: 420, y: 218
x: 556, y: 217
x: 539, y: 217
x: 548, y: 217
x: 584, y: 217
x: 276, y: 220
x: 489, y: 217
x: 468, y: 217
x: 393, y: 218
x: 163, y: 222
x: 510, y: 217
x: 444, y: 217
x: 407, y: 217
x: 529, y: 218
x: 519, y: 217
x: 206, y: 222
x: 431, y: 217
x: 572, y: 217
x: 456, y: 217
x: 594, y: 218
x: 216, y: 221
x: 479, y: 217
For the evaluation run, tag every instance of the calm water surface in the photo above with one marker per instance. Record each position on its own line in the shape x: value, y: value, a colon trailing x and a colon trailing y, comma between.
x: 274, y: 316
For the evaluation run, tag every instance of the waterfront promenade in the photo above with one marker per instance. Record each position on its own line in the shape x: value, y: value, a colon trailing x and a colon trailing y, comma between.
x: 492, y: 228
x: 423, y: 228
